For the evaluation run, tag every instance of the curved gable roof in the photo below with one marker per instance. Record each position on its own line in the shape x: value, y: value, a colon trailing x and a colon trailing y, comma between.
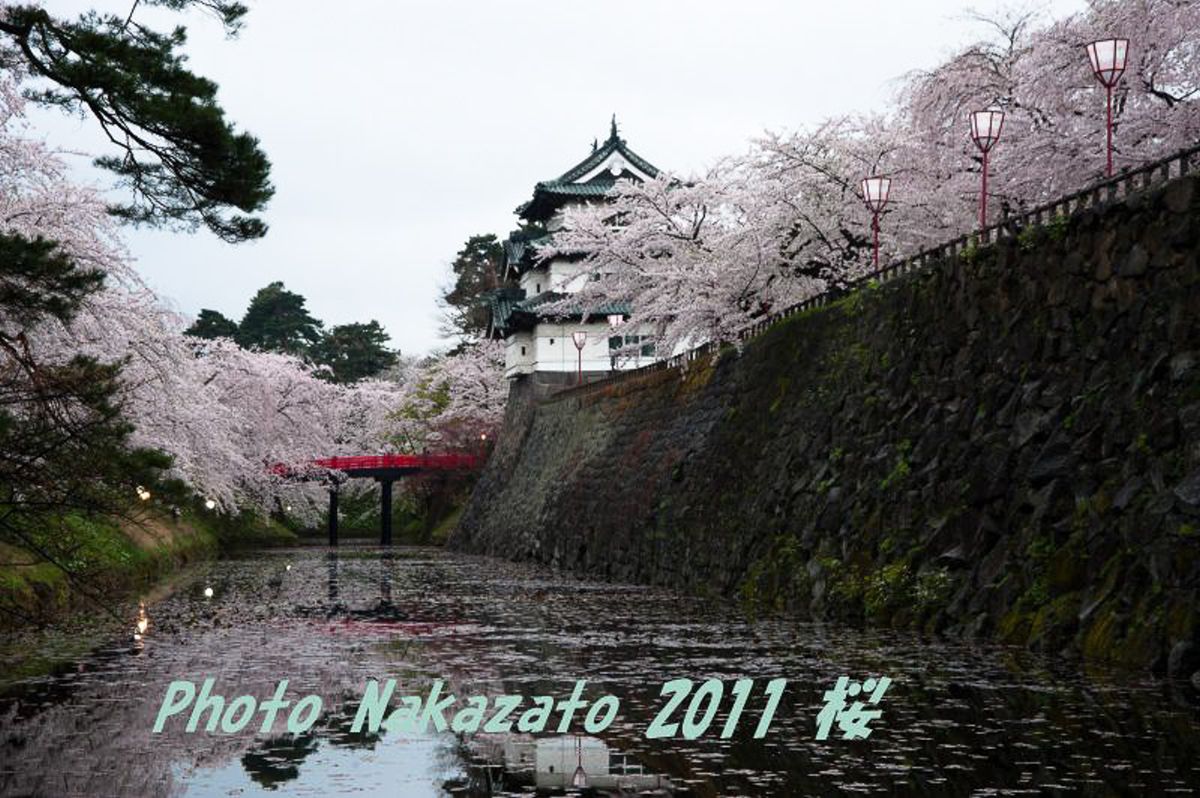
x: 579, y: 182
x: 614, y: 144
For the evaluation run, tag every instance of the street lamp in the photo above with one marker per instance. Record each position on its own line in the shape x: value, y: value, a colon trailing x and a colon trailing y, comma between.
x: 1108, y: 63
x: 579, y: 337
x: 875, y: 191
x: 985, y: 131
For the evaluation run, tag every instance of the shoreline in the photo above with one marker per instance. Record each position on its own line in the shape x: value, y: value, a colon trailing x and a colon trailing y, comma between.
x: 51, y: 620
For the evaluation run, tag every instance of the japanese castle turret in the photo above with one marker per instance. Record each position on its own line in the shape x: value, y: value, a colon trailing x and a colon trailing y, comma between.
x: 544, y: 344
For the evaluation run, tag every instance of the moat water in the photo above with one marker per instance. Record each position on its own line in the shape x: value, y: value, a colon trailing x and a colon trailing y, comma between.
x: 957, y: 720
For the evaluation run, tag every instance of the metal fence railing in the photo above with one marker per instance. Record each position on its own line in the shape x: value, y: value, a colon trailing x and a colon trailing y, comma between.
x: 1109, y: 190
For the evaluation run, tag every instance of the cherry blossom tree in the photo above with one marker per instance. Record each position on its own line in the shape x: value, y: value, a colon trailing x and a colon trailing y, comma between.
x: 699, y: 258
x: 225, y: 415
x: 448, y: 402
x: 1054, y: 128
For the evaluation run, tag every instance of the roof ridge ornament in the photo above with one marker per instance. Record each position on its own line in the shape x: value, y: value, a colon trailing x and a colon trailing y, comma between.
x: 596, y: 169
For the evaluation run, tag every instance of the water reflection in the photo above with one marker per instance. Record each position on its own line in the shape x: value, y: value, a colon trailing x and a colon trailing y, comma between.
x: 957, y: 720
x: 496, y: 764
x: 277, y: 760
x: 140, y: 627
x: 386, y: 563
x: 331, y: 575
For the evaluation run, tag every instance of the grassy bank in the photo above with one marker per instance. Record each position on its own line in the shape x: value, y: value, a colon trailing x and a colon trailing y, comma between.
x: 103, y: 557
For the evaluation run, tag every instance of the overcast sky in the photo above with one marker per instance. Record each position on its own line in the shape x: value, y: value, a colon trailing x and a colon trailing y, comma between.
x: 397, y: 129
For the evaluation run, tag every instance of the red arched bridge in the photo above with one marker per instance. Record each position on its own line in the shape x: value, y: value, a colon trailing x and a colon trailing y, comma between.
x: 386, y: 469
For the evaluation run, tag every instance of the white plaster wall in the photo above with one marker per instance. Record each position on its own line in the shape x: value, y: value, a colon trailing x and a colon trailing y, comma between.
x: 535, y: 281
x: 567, y: 276
x: 519, y: 356
x: 556, y: 351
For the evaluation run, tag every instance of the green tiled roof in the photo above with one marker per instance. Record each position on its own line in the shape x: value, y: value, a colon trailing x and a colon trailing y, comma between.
x: 597, y: 188
x: 512, y: 311
x: 614, y: 144
x: 518, y: 248
x: 549, y: 195
x: 501, y: 304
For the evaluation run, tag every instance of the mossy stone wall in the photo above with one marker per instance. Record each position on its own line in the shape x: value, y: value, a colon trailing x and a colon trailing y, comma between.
x: 1006, y: 445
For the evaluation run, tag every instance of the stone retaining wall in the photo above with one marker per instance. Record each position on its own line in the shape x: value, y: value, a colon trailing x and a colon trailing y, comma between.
x: 1005, y: 445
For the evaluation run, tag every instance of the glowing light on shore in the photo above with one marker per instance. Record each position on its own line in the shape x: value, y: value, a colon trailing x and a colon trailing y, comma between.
x: 143, y: 622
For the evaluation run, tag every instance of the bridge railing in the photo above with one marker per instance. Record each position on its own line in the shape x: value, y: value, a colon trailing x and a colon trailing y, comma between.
x: 373, y: 462
x: 422, y: 461
x: 1108, y: 190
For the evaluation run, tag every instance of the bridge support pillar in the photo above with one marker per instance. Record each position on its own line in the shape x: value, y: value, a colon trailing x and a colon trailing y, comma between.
x: 385, y: 512
x: 333, y: 513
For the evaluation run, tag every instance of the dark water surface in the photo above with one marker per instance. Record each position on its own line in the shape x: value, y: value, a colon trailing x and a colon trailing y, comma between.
x: 957, y: 720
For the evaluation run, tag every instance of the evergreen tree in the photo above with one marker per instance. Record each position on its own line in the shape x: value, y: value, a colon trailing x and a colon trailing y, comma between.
x: 64, y: 445
x: 184, y: 163
x: 476, y: 269
x: 38, y: 280
x: 277, y: 321
x: 354, y: 351
x: 212, y: 324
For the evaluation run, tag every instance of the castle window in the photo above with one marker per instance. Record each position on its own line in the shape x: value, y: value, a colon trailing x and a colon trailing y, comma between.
x: 643, y: 342
x: 522, y: 351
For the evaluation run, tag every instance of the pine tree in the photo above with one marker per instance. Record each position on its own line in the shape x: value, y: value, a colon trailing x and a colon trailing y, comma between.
x: 212, y: 324
x: 477, y: 269
x: 184, y: 163
x: 354, y: 351
x: 277, y: 321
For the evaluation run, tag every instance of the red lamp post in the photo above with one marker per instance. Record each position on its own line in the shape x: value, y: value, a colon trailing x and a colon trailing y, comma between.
x: 1108, y: 58
x: 985, y: 131
x: 875, y: 191
x: 579, y: 337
